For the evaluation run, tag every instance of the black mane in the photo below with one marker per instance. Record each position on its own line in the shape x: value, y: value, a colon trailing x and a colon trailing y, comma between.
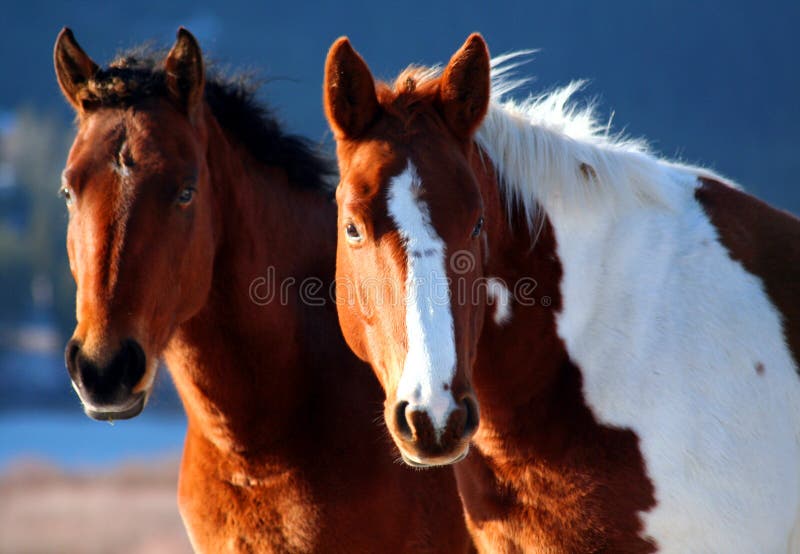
x: 138, y: 74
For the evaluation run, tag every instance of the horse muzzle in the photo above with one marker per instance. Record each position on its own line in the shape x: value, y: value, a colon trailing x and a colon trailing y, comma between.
x: 424, y: 444
x: 110, y: 390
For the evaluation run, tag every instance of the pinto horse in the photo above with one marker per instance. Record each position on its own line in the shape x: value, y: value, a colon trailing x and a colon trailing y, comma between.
x: 631, y: 330
x: 182, y: 193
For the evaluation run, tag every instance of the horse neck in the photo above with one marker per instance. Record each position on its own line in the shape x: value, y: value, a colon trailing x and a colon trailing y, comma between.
x: 238, y: 364
x: 522, y: 376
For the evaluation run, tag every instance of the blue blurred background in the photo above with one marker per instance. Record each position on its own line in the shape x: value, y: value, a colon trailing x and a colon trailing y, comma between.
x: 714, y: 83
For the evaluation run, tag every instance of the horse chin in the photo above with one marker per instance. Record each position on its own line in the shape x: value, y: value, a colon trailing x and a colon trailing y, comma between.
x: 420, y: 463
x: 128, y: 411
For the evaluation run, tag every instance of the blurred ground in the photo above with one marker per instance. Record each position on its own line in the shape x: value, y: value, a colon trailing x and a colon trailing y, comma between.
x: 131, y: 509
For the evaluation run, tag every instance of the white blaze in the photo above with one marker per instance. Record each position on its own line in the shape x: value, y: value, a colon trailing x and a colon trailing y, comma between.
x: 431, y: 358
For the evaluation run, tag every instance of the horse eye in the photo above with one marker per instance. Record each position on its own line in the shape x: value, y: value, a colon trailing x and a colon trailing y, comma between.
x: 478, y: 227
x: 186, y: 196
x: 66, y: 194
x: 352, y: 233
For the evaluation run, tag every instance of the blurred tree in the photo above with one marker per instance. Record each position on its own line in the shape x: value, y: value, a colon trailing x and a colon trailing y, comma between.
x: 35, y: 147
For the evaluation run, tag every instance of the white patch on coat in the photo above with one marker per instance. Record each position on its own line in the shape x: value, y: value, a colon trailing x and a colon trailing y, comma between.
x: 430, y: 362
x: 500, y: 298
x: 667, y: 329
x: 669, y: 333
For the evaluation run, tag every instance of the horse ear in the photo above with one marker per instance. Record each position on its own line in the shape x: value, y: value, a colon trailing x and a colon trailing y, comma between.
x: 464, y: 87
x: 73, y: 67
x: 351, y: 103
x: 185, y: 74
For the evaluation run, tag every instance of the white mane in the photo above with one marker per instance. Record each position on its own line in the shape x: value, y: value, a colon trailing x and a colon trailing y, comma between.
x: 548, y: 150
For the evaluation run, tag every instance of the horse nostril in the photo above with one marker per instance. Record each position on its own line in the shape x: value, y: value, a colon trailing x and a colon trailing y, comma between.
x: 132, y: 363
x: 473, y: 415
x: 401, y: 422
x: 71, y: 357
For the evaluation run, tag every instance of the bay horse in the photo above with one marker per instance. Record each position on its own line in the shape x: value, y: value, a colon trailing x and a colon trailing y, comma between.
x: 182, y: 193
x: 631, y: 330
